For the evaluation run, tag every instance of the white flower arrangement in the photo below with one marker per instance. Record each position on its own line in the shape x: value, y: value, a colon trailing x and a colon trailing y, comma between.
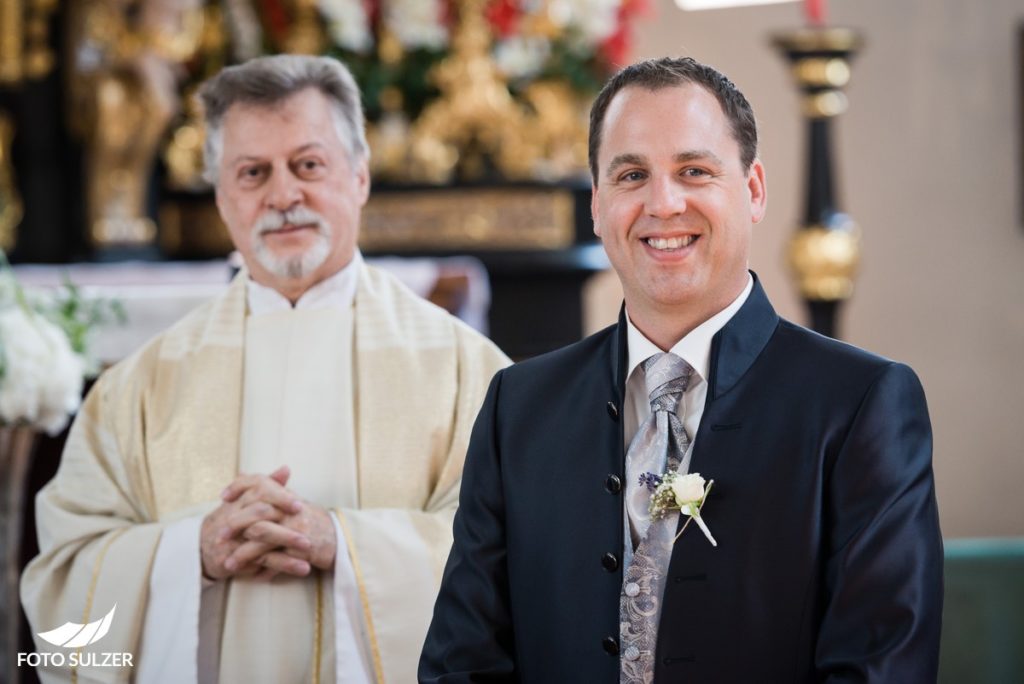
x: 393, y: 46
x: 592, y: 21
x: 521, y: 57
x: 417, y: 23
x: 348, y: 24
x: 43, y: 360
x: 684, y: 493
x: 40, y: 375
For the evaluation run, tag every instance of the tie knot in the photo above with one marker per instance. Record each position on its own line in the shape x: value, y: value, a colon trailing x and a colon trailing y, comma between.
x: 667, y: 377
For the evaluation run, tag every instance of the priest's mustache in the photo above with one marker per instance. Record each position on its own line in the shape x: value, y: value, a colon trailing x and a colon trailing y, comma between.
x: 299, y: 216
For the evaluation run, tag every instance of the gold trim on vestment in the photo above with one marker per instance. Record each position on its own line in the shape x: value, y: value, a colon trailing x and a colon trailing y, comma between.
x: 374, y: 648
x: 92, y: 591
x: 318, y: 634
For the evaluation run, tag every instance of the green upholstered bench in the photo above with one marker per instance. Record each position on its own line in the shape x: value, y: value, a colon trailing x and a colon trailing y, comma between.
x: 983, y: 615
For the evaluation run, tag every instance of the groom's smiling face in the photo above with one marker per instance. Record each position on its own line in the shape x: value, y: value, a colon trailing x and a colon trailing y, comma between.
x: 672, y: 202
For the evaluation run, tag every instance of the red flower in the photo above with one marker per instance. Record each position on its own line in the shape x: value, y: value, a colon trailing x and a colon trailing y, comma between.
x: 276, y: 19
x: 372, y: 9
x: 617, y: 47
x: 503, y: 16
x: 447, y: 14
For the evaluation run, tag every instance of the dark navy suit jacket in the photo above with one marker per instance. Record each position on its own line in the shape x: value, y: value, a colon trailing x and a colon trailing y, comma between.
x: 829, y: 559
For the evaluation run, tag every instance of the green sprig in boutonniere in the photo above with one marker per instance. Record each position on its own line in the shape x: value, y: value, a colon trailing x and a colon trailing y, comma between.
x: 683, y: 493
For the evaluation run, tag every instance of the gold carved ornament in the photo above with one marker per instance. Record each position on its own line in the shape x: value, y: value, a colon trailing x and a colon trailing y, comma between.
x: 821, y: 67
x: 825, y: 261
x: 10, y: 202
x: 305, y: 37
x: 469, y: 218
x: 25, y: 40
x: 476, y: 120
x: 183, y: 152
x: 123, y: 85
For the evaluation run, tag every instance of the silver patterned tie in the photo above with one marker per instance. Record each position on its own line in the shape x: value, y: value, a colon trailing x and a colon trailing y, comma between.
x: 660, y: 444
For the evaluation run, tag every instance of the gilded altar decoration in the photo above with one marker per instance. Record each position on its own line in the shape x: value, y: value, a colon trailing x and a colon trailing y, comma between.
x: 25, y: 40
x: 10, y: 202
x: 456, y: 89
x: 469, y: 218
x: 123, y: 86
x: 183, y: 146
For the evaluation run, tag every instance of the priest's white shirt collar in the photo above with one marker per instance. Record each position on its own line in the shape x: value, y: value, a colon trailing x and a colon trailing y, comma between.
x: 336, y: 291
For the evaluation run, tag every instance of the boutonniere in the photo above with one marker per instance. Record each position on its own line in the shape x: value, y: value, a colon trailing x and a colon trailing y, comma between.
x: 683, y: 493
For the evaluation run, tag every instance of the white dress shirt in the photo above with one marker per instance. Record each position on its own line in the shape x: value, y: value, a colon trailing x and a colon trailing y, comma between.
x: 695, y: 349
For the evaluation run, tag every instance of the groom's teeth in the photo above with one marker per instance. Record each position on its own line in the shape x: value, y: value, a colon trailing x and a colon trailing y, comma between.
x: 671, y: 243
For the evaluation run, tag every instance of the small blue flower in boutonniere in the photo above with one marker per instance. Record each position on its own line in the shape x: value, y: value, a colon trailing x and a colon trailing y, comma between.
x: 650, y: 480
x: 683, y: 493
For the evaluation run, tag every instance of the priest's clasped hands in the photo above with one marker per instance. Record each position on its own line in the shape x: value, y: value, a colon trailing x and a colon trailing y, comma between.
x: 263, y: 529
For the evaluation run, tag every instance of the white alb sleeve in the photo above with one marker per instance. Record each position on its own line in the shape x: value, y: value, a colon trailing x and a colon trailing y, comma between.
x: 351, y: 652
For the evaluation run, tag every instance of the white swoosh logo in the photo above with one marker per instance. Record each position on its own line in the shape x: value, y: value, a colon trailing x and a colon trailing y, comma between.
x: 74, y: 635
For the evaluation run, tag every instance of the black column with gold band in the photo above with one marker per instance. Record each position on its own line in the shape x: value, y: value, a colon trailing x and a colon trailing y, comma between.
x: 825, y: 251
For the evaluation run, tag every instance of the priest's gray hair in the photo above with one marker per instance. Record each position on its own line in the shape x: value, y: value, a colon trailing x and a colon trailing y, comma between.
x: 268, y: 81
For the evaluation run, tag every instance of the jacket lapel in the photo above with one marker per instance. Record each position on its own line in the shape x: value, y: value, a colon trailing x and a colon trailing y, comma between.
x: 618, y: 359
x: 737, y: 345
x: 734, y: 349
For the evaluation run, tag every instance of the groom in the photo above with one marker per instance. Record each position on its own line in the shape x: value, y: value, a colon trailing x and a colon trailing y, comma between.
x: 828, y: 564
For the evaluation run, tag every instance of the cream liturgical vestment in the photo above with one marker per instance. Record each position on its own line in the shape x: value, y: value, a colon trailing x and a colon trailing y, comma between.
x: 371, y: 407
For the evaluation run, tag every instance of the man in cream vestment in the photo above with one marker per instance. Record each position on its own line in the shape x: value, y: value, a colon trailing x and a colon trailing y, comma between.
x: 265, y: 491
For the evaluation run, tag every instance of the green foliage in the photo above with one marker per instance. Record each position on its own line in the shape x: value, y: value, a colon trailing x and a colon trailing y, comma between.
x: 67, y: 308
x: 411, y: 77
x: 576, y: 68
x: 76, y: 315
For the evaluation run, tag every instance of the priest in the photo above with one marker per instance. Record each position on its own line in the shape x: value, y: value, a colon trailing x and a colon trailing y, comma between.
x: 265, y: 492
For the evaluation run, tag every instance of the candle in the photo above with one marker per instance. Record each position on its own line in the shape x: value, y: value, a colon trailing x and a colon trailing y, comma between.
x: 815, y: 10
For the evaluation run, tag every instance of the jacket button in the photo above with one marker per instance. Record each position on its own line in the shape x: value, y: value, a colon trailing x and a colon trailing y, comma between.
x: 610, y: 562
x: 610, y: 645
x: 613, y: 485
x: 613, y: 410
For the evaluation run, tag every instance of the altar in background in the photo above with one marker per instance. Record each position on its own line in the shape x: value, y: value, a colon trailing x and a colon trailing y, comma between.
x: 476, y: 117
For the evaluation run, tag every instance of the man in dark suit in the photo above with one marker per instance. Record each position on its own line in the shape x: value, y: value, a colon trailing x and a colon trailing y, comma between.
x: 828, y: 564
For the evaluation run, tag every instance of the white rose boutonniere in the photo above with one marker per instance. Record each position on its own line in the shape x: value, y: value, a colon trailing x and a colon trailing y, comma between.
x: 683, y: 493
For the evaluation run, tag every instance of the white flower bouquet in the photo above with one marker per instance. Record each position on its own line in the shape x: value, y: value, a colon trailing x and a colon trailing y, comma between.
x: 43, y: 360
